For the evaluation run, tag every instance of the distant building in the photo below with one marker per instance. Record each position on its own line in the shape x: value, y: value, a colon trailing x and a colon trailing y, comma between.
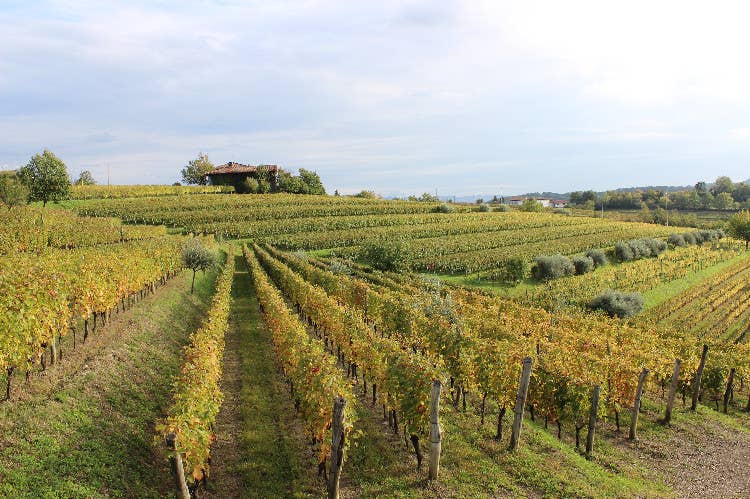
x: 236, y: 173
x: 546, y: 202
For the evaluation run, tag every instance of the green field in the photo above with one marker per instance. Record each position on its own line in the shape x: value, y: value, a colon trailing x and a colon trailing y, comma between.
x: 245, y: 371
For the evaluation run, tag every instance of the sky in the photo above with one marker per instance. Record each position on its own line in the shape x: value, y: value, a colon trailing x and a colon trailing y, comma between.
x: 400, y: 97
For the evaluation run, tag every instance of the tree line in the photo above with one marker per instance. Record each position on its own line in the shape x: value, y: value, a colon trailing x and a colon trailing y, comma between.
x: 722, y: 194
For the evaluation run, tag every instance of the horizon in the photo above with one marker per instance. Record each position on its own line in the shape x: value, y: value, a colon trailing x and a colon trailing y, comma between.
x: 399, y: 98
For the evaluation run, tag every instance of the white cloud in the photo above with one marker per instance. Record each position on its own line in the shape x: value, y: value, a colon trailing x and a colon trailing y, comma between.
x: 740, y: 134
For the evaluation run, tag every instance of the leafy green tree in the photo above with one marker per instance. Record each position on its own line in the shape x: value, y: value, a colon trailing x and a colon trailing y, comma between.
x: 312, y: 181
x: 292, y: 184
x: 723, y: 201
x: 195, y: 171
x: 531, y: 205
x: 721, y: 185
x: 46, y: 177
x: 195, y: 256
x: 367, y: 195
x: 12, y: 191
x: 738, y: 226
x: 393, y: 255
x: 85, y: 178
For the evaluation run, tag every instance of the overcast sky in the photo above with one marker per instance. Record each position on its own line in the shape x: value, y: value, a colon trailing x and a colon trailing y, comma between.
x: 396, y: 96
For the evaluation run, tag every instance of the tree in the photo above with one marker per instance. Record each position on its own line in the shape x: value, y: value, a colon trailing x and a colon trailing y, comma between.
x: 46, y: 177
x: 195, y: 171
x: 312, y: 181
x: 738, y: 226
x: 722, y: 184
x: 530, y: 204
x: 12, y: 191
x: 390, y: 255
x: 85, y: 178
x: 195, y: 256
x: 723, y: 201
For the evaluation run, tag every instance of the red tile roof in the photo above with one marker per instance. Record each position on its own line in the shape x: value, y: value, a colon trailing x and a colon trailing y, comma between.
x: 233, y: 167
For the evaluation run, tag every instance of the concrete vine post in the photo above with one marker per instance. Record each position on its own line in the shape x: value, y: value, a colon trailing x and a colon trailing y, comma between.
x: 436, y: 436
x: 523, y: 390
x: 637, y: 403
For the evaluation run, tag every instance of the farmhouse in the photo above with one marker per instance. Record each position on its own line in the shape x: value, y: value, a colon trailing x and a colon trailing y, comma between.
x: 236, y: 173
x: 546, y: 202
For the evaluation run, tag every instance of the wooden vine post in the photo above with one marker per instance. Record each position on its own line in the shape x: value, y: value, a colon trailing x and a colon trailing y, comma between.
x: 592, y: 421
x: 637, y: 404
x: 523, y: 390
x: 178, y: 468
x: 436, y: 437
x: 338, y: 441
x: 697, y: 379
x: 728, y: 392
x: 672, y: 391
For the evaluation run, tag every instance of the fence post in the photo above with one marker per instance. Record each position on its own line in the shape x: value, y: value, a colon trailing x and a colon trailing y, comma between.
x: 728, y: 392
x: 697, y: 379
x: 523, y: 390
x: 436, y: 436
x: 637, y: 404
x: 178, y: 468
x: 592, y: 421
x: 338, y: 441
x: 672, y: 391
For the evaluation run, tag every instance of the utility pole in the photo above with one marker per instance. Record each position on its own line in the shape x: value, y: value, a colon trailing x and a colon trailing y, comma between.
x: 666, y: 206
x: 107, y: 173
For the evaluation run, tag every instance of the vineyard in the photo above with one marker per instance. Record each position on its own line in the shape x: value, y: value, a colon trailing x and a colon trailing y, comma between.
x: 394, y: 383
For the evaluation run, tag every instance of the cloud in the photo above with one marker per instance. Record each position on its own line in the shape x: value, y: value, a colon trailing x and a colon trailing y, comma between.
x: 392, y: 95
x: 742, y: 134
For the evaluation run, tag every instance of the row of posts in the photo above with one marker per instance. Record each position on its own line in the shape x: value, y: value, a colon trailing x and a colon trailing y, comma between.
x: 338, y: 442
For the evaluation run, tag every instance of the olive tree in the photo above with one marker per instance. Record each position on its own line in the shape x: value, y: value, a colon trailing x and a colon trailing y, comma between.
x: 46, y: 177
x: 195, y: 256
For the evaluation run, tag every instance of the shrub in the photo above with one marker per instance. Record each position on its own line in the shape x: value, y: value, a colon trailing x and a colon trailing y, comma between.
x: 689, y: 238
x: 511, y: 271
x: 676, y: 240
x: 502, y: 208
x: 618, y: 304
x: 443, y: 208
x: 598, y: 256
x: 657, y: 246
x: 248, y: 186
x: 639, y: 248
x: 583, y: 264
x: 698, y: 237
x: 553, y: 267
x: 623, y: 251
x: 387, y: 255
x: 484, y: 208
x: 531, y: 205
x: 708, y: 235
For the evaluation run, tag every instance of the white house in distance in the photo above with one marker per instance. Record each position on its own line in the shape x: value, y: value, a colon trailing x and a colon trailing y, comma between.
x: 546, y: 202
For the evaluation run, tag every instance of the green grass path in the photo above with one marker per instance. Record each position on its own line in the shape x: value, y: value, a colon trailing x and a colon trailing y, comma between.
x: 260, y: 451
x: 91, y: 434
